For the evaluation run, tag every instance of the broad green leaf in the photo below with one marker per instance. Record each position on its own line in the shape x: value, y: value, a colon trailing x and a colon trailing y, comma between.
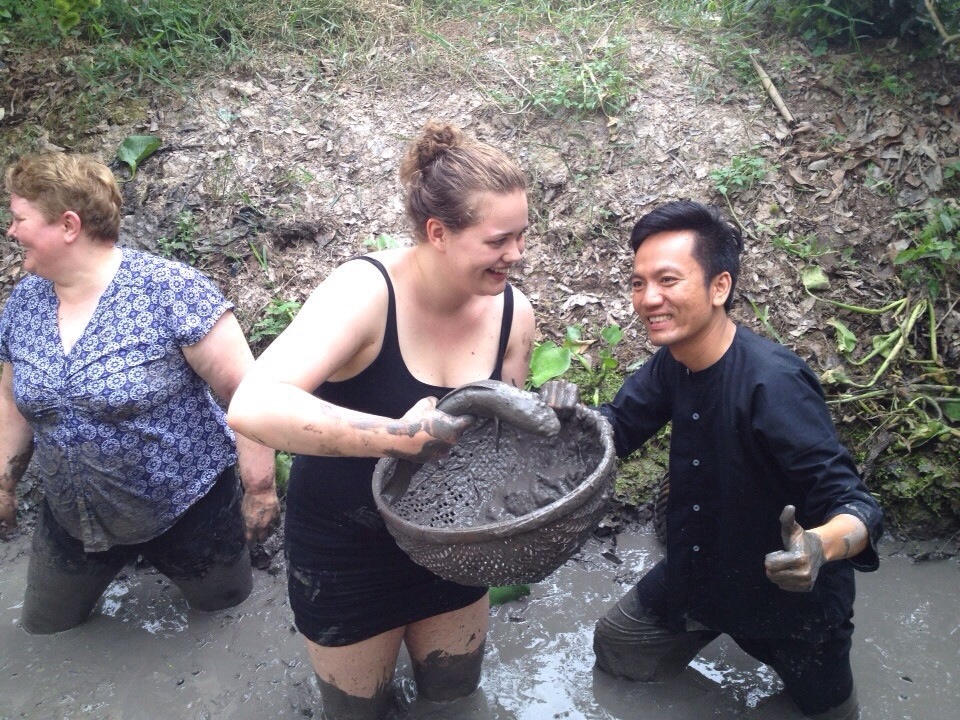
x: 137, y: 148
x: 952, y: 410
x: 612, y: 334
x: 574, y: 333
x: 548, y: 362
x: 814, y: 278
x: 846, y: 340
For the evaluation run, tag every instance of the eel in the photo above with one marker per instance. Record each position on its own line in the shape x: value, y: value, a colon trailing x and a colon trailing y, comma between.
x: 502, y: 402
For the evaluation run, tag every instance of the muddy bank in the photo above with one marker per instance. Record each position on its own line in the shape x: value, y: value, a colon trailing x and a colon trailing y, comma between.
x: 146, y: 655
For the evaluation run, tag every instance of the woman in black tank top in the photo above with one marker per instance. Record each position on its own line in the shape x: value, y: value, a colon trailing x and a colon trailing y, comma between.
x: 356, y: 377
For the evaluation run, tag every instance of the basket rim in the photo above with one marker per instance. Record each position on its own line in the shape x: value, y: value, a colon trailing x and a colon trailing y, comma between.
x: 502, y: 528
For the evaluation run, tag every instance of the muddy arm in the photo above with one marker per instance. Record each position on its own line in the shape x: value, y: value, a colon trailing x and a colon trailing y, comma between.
x: 16, y: 448
x: 222, y: 358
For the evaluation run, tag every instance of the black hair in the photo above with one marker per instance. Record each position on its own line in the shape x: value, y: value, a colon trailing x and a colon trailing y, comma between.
x: 717, y: 242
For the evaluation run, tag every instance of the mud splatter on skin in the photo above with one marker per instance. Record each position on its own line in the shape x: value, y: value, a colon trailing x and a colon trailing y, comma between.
x: 8, y: 482
x: 442, y: 677
x: 338, y: 705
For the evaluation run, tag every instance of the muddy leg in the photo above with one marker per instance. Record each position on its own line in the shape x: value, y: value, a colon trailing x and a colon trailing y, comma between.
x: 63, y: 582
x: 205, y: 552
x: 629, y: 643
x: 356, y: 681
x: 220, y: 587
x: 447, y: 651
x: 338, y: 705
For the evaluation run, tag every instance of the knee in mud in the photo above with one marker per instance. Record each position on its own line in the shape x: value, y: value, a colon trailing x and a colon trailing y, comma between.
x: 338, y: 705
x: 220, y: 587
x: 442, y: 678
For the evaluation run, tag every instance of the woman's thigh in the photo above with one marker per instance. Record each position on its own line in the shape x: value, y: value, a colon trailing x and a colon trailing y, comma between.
x: 447, y: 651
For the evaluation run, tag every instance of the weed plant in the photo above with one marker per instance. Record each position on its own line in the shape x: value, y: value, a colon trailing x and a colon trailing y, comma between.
x: 276, y: 317
x: 182, y: 245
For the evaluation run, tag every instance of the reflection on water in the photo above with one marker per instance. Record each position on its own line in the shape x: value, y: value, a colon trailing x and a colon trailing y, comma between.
x: 146, y: 654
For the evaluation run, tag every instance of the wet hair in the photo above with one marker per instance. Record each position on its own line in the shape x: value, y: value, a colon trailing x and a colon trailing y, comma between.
x: 443, y: 171
x: 717, y: 242
x: 57, y: 182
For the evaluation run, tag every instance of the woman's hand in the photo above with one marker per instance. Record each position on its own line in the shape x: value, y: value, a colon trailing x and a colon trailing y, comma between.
x: 432, y: 432
x: 8, y: 512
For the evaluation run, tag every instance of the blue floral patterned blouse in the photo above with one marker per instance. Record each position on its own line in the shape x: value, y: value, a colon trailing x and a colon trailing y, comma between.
x: 127, y: 435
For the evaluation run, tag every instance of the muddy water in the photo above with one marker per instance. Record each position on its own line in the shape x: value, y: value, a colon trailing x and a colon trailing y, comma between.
x: 146, y: 655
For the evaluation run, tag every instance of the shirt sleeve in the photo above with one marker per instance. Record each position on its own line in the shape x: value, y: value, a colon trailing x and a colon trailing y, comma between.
x: 640, y: 408
x: 799, y: 434
x: 6, y: 322
x: 197, y: 303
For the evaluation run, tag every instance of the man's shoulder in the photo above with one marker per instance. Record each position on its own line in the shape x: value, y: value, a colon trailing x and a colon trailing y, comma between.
x: 769, y: 363
x: 763, y: 349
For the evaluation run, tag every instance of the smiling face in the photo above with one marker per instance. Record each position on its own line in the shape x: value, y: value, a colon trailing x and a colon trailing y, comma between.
x: 485, y: 251
x: 676, y: 303
x: 41, y: 240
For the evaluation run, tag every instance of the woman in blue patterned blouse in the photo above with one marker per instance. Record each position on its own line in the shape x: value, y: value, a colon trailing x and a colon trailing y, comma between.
x: 109, y: 357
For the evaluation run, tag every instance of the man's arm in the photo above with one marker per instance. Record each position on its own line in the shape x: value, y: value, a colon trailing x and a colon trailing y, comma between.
x: 795, y: 568
x: 16, y: 448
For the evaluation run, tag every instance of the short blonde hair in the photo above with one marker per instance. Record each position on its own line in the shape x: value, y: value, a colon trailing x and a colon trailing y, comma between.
x: 58, y: 182
x: 443, y: 171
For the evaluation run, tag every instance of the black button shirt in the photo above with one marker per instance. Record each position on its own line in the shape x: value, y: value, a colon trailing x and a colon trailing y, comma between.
x: 749, y: 435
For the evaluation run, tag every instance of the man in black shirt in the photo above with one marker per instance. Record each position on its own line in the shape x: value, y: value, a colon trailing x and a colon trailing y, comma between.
x: 767, y: 515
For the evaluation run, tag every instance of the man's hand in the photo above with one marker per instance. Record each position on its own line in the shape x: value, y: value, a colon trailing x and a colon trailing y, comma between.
x: 561, y: 395
x: 795, y: 568
x: 8, y: 513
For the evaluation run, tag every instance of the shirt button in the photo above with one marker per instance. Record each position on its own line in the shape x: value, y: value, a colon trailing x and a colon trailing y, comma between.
x: 696, y: 548
x: 696, y: 416
x: 696, y: 508
x: 696, y: 463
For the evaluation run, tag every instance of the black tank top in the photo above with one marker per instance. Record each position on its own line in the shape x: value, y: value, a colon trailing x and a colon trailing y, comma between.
x: 339, y: 489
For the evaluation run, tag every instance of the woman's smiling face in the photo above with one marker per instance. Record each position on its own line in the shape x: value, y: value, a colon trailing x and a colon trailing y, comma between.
x: 488, y: 249
x: 42, y: 241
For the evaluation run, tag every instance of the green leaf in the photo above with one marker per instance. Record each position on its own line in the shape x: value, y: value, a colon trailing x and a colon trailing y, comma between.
x: 547, y: 362
x: 883, y: 344
x: 507, y: 593
x: 135, y: 149
x: 835, y: 376
x: 814, y: 278
x: 846, y: 340
x: 612, y: 334
x: 952, y: 410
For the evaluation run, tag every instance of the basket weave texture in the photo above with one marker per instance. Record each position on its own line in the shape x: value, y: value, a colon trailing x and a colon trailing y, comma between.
x: 506, y: 506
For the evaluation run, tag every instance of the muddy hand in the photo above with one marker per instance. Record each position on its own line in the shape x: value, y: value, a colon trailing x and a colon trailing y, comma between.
x: 562, y: 396
x: 8, y: 513
x: 795, y: 568
x: 437, y: 431
x: 261, y: 515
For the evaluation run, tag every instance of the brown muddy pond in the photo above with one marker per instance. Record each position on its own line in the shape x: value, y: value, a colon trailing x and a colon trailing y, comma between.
x: 144, y: 654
